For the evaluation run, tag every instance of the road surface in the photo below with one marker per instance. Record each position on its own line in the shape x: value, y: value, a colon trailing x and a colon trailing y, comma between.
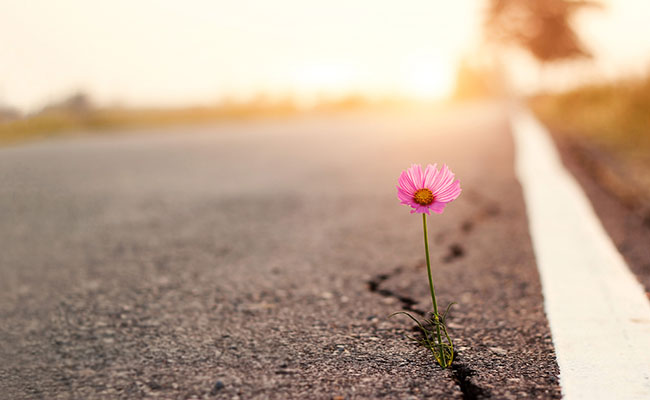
x: 261, y: 259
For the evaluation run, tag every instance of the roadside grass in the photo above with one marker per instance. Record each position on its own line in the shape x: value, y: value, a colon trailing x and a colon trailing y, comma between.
x: 62, y: 121
x: 615, y: 115
x: 55, y: 123
x: 609, y: 126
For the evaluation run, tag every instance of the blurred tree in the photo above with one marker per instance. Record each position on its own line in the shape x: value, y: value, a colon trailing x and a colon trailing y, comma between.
x: 76, y: 103
x: 475, y: 79
x: 543, y: 27
x: 8, y: 113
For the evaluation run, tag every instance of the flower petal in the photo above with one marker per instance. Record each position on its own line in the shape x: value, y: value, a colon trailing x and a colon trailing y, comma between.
x: 445, y: 177
x: 429, y: 175
x: 415, y: 173
x: 404, y: 195
x: 406, y: 184
x: 438, y: 207
x: 449, y: 193
x: 440, y: 176
x: 441, y: 183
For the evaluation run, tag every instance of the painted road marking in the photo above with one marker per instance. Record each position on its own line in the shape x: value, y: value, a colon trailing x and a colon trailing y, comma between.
x: 597, y: 310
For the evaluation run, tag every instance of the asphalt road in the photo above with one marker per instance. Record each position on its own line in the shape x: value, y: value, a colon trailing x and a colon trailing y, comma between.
x: 261, y: 259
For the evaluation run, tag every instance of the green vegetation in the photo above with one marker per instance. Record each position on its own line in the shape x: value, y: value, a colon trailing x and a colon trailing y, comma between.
x: 612, y: 115
x: 610, y: 119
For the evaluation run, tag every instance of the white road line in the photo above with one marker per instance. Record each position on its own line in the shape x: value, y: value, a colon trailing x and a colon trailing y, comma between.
x: 597, y: 310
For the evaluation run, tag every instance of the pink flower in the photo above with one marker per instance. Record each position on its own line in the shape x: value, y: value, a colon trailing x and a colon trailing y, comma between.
x: 427, y: 190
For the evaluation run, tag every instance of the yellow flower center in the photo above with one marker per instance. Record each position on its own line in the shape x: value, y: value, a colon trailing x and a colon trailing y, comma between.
x: 423, y: 197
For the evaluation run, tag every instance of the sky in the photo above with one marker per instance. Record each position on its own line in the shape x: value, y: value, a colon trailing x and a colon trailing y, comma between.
x: 166, y: 53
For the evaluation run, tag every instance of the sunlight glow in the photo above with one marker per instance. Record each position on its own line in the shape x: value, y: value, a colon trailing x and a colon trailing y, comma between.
x: 428, y: 78
x: 167, y: 52
x: 200, y: 51
x: 324, y: 78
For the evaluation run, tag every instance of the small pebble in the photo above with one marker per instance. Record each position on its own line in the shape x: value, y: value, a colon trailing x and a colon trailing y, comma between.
x: 217, y: 387
x: 499, y: 350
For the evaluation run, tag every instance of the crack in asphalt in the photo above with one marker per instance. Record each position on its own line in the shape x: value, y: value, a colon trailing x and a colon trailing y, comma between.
x: 408, y: 303
x: 462, y: 374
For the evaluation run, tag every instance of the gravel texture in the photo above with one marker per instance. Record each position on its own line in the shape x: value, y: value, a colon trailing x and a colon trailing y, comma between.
x: 261, y: 260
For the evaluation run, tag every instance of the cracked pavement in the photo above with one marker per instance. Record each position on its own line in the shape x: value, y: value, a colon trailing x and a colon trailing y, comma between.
x: 261, y: 259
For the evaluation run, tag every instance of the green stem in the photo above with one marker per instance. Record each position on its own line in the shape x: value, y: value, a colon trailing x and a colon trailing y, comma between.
x: 433, y: 292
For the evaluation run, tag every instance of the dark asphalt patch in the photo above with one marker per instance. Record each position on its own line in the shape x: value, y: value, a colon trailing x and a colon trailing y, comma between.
x: 158, y: 266
x: 455, y: 251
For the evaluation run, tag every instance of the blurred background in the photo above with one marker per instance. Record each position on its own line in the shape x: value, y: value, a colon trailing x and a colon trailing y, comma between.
x: 198, y: 196
x: 75, y: 66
